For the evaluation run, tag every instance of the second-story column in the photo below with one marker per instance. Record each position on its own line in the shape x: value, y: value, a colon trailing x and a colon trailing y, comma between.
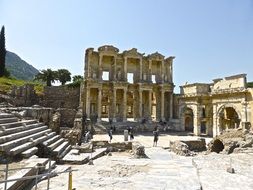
x: 150, y: 70
x: 125, y: 68
x: 162, y: 71
x: 100, y: 70
x: 140, y: 78
x: 115, y: 68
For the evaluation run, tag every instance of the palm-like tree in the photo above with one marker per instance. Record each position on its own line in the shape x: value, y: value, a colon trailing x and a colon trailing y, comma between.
x: 63, y: 75
x: 77, y: 78
x: 47, y: 76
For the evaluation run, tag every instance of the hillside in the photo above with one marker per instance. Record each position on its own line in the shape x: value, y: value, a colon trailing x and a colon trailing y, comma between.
x: 19, y: 68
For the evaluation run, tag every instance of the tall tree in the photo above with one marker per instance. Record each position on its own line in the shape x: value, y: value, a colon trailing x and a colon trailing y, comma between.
x: 47, y: 76
x: 63, y: 75
x: 77, y: 78
x: 2, y: 52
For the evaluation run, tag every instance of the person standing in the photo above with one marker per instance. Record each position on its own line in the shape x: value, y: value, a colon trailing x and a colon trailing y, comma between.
x: 156, y: 134
x: 110, y: 133
x: 131, y: 134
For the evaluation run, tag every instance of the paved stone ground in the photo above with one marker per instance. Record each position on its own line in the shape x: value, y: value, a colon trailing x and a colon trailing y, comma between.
x: 163, y: 170
x: 147, y: 138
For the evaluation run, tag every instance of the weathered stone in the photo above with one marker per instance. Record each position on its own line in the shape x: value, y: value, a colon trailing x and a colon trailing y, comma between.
x: 231, y: 170
x: 232, y: 141
x: 138, y: 150
x: 55, y: 122
x: 180, y: 148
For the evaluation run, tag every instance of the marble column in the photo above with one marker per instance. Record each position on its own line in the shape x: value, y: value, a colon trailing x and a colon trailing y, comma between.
x: 125, y: 68
x: 171, y: 105
x: 114, y: 105
x: 100, y: 70
x: 162, y: 71
x: 99, y: 100
x: 125, y: 105
x: 88, y: 102
x: 150, y: 70
x: 115, y: 68
x: 140, y: 77
x: 196, y: 121
x: 140, y: 105
x: 215, y: 121
x: 150, y: 104
x: 171, y: 72
x: 88, y: 67
x: 162, y: 105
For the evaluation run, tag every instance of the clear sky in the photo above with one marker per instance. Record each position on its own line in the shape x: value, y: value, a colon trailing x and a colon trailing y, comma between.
x: 210, y: 38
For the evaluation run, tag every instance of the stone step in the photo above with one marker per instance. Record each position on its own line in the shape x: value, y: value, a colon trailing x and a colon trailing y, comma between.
x: 66, y: 151
x: 27, y: 145
x: 57, y: 151
x: 5, y: 115
x: 51, y: 140
x: 30, y: 152
x: 21, y: 134
x: 56, y: 144
x: 3, y: 127
x: 9, y: 145
x: 19, y: 129
x: 8, y: 120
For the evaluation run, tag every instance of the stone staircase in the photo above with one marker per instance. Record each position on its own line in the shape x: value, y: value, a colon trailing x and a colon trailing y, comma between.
x: 24, y: 138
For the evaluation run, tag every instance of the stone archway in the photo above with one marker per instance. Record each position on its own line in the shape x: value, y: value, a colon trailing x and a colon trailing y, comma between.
x: 229, y: 118
x: 188, y: 119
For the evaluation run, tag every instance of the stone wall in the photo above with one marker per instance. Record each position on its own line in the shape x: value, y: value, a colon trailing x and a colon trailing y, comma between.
x: 61, y: 97
x: 24, y: 95
x: 67, y: 117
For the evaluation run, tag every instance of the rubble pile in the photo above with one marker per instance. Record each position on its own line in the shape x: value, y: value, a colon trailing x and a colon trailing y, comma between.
x: 232, y: 141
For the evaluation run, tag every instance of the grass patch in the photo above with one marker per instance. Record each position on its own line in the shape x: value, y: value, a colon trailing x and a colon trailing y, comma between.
x: 6, y: 85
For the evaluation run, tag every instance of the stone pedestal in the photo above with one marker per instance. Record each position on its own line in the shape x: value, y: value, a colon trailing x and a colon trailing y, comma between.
x: 125, y: 135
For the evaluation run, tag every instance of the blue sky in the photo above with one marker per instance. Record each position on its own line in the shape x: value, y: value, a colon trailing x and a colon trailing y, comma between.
x: 210, y: 38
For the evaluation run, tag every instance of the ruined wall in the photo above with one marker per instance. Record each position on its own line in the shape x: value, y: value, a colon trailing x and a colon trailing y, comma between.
x: 24, y: 95
x: 67, y: 117
x: 236, y: 81
x: 61, y: 97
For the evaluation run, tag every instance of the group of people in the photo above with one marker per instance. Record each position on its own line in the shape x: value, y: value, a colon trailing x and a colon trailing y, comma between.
x: 131, y: 133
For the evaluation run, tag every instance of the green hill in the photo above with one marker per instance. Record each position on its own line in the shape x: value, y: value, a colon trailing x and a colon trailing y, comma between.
x: 19, y: 68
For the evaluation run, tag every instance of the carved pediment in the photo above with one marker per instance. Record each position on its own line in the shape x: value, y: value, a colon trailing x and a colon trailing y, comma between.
x: 132, y: 53
x: 108, y: 49
x: 156, y: 56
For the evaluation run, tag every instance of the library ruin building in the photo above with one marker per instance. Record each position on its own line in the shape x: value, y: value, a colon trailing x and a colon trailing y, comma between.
x: 127, y: 85
x: 131, y: 86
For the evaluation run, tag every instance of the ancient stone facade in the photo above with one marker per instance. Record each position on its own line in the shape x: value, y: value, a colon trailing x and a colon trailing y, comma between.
x: 212, y: 108
x: 61, y: 97
x: 127, y: 85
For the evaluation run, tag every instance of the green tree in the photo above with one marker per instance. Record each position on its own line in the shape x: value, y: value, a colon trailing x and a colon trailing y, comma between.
x: 47, y: 76
x: 63, y: 75
x: 3, y: 71
x: 77, y: 78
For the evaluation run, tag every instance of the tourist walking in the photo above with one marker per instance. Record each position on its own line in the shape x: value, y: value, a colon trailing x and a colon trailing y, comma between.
x: 131, y: 133
x: 110, y: 133
x: 156, y: 134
